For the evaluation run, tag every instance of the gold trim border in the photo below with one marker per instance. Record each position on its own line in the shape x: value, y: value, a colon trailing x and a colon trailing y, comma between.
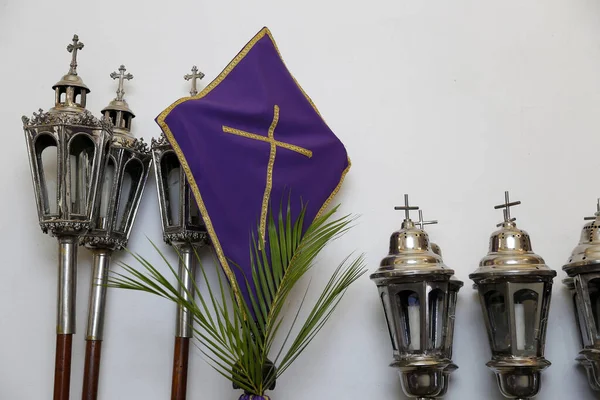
x: 186, y: 168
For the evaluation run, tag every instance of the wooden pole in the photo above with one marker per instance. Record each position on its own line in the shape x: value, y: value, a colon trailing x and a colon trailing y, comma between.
x: 62, y: 366
x: 91, y: 369
x: 180, y: 368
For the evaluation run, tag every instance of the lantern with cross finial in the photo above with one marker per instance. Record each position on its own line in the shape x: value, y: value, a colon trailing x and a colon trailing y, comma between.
x: 515, y: 286
x: 67, y: 147
x: 419, y: 297
x: 583, y: 269
x: 127, y: 165
x: 180, y: 216
x: 183, y: 229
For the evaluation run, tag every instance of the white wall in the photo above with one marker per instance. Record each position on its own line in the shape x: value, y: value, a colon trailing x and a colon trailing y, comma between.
x: 453, y: 102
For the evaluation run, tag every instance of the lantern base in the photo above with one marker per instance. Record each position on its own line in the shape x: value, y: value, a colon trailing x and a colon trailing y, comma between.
x: 425, y: 378
x: 519, y: 378
x: 590, y: 359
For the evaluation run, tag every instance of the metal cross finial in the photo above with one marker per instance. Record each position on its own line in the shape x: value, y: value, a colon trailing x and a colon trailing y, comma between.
x: 406, y: 208
x: 421, y: 224
x: 595, y: 215
x: 194, y: 76
x: 73, y: 48
x: 506, y: 219
x: 121, y: 76
x: 507, y: 205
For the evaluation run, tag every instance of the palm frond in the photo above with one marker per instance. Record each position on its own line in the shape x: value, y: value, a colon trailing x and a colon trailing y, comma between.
x: 237, y: 337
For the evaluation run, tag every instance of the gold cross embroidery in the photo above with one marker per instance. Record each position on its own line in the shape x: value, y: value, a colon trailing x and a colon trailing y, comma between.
x: 270, y: 138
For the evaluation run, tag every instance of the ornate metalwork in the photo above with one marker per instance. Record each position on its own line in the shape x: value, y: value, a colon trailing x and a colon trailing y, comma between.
x: 58, y: 228
x: 140, y: 146
x: 161, y: 141
x: 84, y: 118
x: 189, y: 236
x: 103, y: 242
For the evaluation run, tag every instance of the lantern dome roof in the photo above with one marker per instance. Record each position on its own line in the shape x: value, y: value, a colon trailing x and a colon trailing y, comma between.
x: 411, y: 253
x: 510, y: 252
x: 73, y: 80
x: 585, y: 257
x: 118, y: 105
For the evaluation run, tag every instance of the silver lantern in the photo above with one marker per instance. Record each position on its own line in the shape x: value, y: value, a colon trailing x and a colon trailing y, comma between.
x: 183, y: 229
x: 180, y: 215
x: 418, y: 294
x: 67, y: 147
x: 515, y: 286
x: 583, y: 269
x: 126, y: 169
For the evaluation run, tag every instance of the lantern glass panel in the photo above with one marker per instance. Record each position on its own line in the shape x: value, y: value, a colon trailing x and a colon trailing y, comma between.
x: 194, y: 218
x: 387, y: 310
x: 452, y: 299
x: 132, y: 177
x: 580, y: 322
x: 81, y: 156
x: 170, y: 174
x: 106, y: 193
x: 410, y: 319
x: 47, y: 164
x: 526, y: 320
x: 437, y: 316
x: 594, y: 293
x: 495, y: 305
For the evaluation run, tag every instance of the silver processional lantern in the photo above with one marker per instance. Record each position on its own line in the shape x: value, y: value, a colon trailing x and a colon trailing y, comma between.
x: 583, y: 269
x: 183, y: 229
x: 127, y: 165
x: 418, y: 293
x: 515, y: 287
x: 67, y: 147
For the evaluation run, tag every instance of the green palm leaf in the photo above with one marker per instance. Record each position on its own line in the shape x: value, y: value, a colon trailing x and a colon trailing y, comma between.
x: 237, y: 337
